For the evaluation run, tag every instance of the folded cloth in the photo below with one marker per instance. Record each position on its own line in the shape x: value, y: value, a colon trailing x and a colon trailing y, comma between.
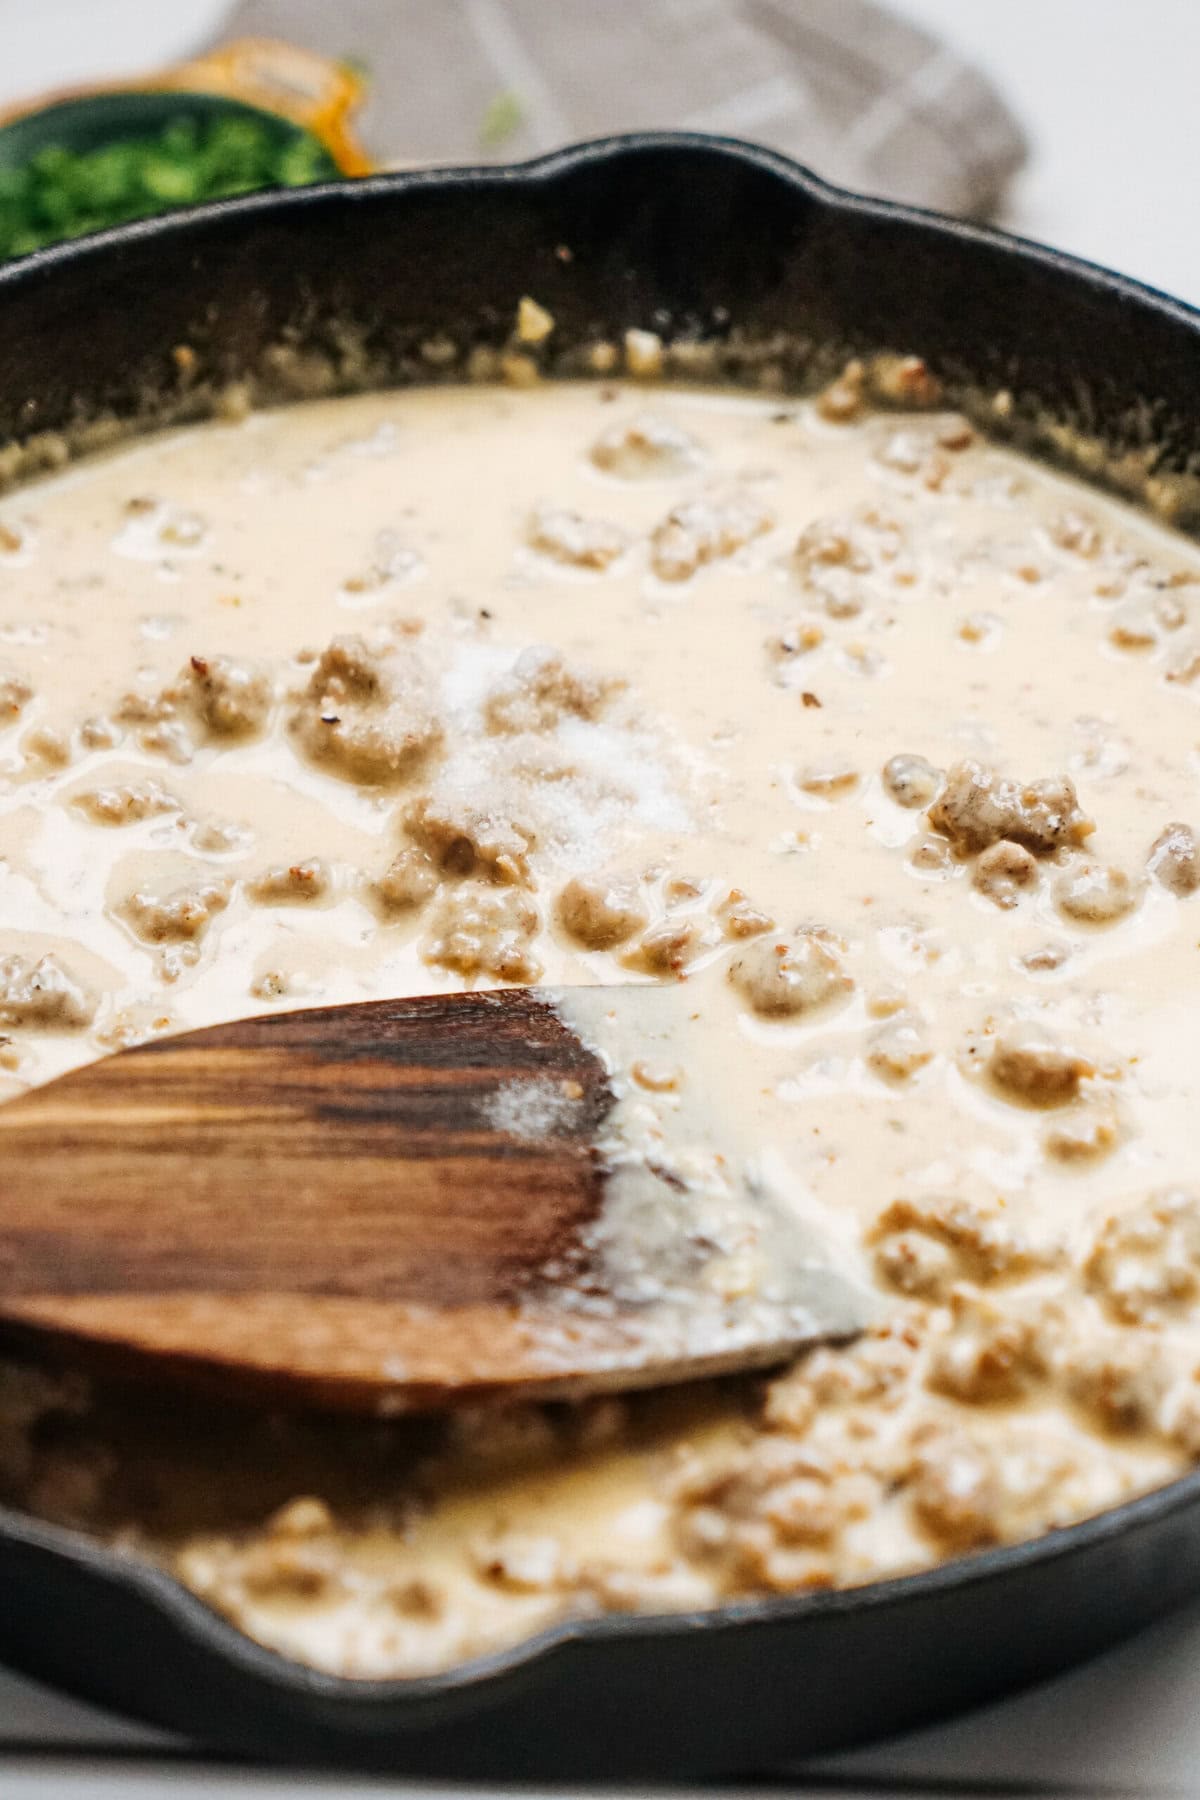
x: 862, y: 97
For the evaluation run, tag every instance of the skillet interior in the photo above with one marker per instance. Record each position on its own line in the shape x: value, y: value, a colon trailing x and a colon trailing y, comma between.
x: 335, y: 288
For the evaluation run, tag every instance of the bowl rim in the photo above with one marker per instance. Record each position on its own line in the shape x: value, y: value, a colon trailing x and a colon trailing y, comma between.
x: 170, y: 101
x: 379, y: 1697
x: 215, y: 1634
x: 539, y: 171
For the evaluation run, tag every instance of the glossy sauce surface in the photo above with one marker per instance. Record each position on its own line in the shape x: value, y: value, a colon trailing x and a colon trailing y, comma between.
x: 881, y: 740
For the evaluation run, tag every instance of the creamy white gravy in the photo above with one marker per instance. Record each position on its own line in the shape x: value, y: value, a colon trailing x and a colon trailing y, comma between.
x: 627, y: 676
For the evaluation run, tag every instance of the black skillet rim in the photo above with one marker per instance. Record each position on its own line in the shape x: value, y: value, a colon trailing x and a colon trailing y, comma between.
x: 155, y: 1586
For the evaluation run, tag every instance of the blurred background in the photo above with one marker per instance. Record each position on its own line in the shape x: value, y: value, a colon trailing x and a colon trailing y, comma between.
x: 1073, y: 123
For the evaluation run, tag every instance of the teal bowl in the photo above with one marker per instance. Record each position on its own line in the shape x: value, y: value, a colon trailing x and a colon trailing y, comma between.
x: 94, y: 122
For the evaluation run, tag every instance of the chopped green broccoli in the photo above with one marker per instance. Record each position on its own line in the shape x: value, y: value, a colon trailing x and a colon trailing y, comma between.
x: 62, y: 193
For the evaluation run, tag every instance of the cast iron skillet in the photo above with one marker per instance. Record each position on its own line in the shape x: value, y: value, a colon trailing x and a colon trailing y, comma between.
x: 686, y: 234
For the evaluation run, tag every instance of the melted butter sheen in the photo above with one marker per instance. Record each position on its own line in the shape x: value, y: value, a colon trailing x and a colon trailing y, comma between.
x: 381, y: 695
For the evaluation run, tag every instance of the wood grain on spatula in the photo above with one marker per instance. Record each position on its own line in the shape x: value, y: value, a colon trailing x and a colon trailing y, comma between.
x: 327, y: 1207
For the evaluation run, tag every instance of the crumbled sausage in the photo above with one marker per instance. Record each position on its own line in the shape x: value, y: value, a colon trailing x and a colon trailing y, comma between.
x: 877, y: 1369
x: 932, y: 856
x: 1144, y: 1261
x: 647, y: 447
x: 970, y: 1490
x: 770, y: 1514
x: 523, y: 1562
x: 1174, y: 860
x: 910, y: 780
x: 955, y: 1488
x: 485, y: 931
x: 271, y: 984
x: 1134, y: 627
x: 845, y: 397
x: 1082, y: 1133
x: 568, y: 537
x: 542, y: 689
x: 1179, y: 1415
x: 916, y: 453
x: 600, y: 911
x: 409, y: 880
x: 289, y: 1571
x: 977, y: 807
x: 415, y: 1597
x: 977, y: 1245
x: 128, y: 804
x: 980, y: 627
x: 169, y: 738
x: 223, y: 697
x: 885, y: 1001
x: 830, y: 780
x: 1140, y: 623
x: 518, y: 369
x: 288, y: 883
x: 368, y: 714
x: 15, y: 695
x: 643, y: 353
x: 863, y: 660
x: 47, y: 744
x: 176, y: 958
x: 738, y: 917
x: 134, y: 1025
x: 465, y: 839
x: 954, y: 433
x: 1075, y: 532
x: 836, y: 557
x: 683, y: 887
x: 798, y: 640
x: 178, y: 917
x: 915, y: 1264
x: 1120, y: 1381
x: 98, y: 733
x: 1096, y: 895
x: 503, y: 1437
x: 1003, y: 872
x: 228, y: 698
x: 220, y: 837
x: 1028, y: 1063
x: 986, y: 1355
x: 899, y: 1050
x: 905, y: 380
x: 967, y: 1492
x: 1183, y: 665
x: 181, y: 529
x: 660, y: 1588
x: 43, y: 994
x: 786, y: 977
x: 666, y: 948
x: 856, y: 542
x: 304, y: 1517
x: 698, y: 532
x: 1046, y: 958
x: 534, y: 323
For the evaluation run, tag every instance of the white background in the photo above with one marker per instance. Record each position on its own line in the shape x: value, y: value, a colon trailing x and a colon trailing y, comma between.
x: 1108, y: 91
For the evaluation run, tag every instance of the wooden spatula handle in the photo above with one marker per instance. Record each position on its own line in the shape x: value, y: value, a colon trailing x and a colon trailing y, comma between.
x: 320, y: 1198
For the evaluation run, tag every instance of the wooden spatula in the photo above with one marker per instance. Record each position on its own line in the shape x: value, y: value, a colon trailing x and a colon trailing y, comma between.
x: 391, y: 1206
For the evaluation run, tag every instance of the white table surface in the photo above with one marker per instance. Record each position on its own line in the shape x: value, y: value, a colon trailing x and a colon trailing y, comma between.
x: 1107, y: 89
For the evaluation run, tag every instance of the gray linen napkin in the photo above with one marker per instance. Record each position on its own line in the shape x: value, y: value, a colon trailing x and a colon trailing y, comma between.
x: 863, y: 97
